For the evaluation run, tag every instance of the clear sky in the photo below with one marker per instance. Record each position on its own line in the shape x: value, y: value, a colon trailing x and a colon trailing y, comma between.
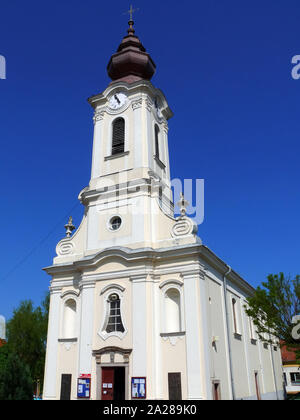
x: 225, y: 68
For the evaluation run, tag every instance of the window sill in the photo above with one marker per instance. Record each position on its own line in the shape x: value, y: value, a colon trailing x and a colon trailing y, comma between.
x: 174, y: 334
x: 68, y: 340
x: 116, y: 156
x: 237, y: 336
x: 105, y: 336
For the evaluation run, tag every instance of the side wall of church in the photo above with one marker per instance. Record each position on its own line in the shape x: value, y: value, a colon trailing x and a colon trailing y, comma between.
x: 252, y: 360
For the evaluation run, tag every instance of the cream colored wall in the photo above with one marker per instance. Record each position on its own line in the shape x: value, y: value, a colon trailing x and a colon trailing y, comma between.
x: 67, y: 356
x: 172, y: 354
x: 248, y: 356
x: 219, y: 353
x: 238, y: 351
x: 174, y: 361
x: 278, y: 368
x: 267, y: 369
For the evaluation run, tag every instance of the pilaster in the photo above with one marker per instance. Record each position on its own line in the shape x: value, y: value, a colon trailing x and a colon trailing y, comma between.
x: 50, y: 391
x: 86, y: 327
x: 139, y: 325
x: 197, y: 340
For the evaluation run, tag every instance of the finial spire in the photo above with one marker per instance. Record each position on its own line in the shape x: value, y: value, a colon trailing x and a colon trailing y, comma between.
x: 69, y: 227
x: 182, y: 204
x: 130, y: 12
x: 131, y: 22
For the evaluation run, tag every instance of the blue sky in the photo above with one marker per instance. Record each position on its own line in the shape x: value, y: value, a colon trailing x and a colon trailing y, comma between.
x: 225, y: 68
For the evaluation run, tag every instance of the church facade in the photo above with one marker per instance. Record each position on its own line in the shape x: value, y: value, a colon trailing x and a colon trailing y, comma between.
x: 139, y: 307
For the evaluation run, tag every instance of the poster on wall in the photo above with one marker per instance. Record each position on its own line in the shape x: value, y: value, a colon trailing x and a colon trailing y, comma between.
x: 84, y: 386
x: 138, y: 388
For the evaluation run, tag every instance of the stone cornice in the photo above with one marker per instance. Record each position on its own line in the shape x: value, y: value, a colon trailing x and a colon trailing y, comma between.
x: 148, y: 257
x: 138, y: 88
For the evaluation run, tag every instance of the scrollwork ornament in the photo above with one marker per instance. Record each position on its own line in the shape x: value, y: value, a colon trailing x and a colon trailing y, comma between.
x: 98, y: 116
x: 137, y: 104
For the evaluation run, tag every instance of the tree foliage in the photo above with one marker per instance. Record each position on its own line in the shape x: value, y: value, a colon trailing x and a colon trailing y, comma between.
x: 273, y: 307
x: 15, y: 377
x: 24, y: 354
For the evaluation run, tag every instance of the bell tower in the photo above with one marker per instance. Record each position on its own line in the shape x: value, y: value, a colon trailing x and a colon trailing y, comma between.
x: 130, y: 187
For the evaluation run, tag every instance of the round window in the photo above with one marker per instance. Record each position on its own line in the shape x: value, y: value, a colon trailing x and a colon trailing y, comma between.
x: 115, y: 223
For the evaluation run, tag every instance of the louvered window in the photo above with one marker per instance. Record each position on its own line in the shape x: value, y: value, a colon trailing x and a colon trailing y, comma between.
x: 118, y: 136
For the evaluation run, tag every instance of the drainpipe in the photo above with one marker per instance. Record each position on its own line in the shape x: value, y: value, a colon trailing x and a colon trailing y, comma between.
x: 228, y: 332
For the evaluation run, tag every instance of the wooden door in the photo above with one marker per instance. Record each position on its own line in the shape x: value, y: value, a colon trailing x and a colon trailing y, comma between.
x: 175, y: 393
x: 65, y: 389
x: 108, y: 377
x: 257, y: 386
x: 216, y: 391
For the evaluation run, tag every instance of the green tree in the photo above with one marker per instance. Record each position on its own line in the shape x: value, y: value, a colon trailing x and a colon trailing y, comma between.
x: 273, y: 307
x: 15, y: 378
x: 26, y: 340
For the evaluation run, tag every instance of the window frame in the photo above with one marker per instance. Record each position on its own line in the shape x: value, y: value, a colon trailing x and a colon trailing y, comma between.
x: 236, y: 315
x: 105, y: 294
x: 156, y: 141
x: 114, y: 316
x: 295, y: 382
x: 67, y: 296
x: 110, y: 223
x: 165, y: 287
x: 123, y: 144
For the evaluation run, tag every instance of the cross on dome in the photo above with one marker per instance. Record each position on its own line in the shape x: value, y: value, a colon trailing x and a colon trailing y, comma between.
x: 131, y: 11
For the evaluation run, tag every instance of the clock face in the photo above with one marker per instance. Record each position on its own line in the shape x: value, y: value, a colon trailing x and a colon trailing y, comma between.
x: 117, y: 100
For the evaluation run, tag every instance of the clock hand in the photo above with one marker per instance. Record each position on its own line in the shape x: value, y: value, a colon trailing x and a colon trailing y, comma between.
x: 117, y: 99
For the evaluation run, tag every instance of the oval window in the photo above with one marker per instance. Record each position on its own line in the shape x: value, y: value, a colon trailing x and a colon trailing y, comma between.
x: 115, y: 223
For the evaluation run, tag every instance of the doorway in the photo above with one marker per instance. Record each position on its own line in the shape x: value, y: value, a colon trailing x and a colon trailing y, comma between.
x: 65, y: 389
x: 175, y: 392
x: 257, y: 386
x: 216, y: 391
x: 113, y: 384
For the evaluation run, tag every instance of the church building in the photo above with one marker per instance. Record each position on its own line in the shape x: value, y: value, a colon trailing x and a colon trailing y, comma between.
x: 140, y: 308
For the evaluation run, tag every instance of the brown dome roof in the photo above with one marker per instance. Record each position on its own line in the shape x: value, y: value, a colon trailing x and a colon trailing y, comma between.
x: 131, y: 61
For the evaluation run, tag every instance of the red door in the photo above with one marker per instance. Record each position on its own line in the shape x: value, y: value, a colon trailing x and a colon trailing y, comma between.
x: 107, y: 391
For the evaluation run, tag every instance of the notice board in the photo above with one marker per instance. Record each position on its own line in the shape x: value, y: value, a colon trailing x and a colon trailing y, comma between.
x: 138, y: 388
x: 84, y: 387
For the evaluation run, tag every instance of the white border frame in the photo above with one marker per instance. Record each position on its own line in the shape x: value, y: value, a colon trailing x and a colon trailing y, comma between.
x: 109, y: 225
x: 65, y: 297
x: 105, y: 293
x: 165, y: 286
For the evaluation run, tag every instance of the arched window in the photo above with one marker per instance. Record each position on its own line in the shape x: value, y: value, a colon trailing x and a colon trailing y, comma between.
x: 172, y: 311
x: 234, y: 315
x: 69, y: 327
x: 114, y: 323
x: 156, y: 130
x: 118, y: 136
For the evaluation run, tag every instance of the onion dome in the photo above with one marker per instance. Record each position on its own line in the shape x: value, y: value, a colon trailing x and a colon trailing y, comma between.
x: 131, y: 62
